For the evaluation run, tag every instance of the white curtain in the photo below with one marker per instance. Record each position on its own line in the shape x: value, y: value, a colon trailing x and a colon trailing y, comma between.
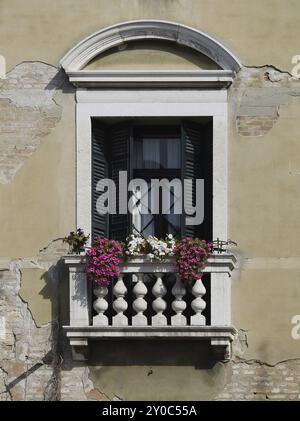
x: 151, y: 153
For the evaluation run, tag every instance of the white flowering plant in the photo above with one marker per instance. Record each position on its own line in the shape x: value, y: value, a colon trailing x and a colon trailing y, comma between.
x: 151, y: 246
x: 134, y: 245
x: 161, y: 249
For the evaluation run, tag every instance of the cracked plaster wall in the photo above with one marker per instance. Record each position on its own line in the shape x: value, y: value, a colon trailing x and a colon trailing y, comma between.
x: 24, y: 348
x: 37, y: 161
x: 28, y: 113
x: 257, y: 97
x: 258, y: 381
x: 37, y: 196
x: 99, y: 382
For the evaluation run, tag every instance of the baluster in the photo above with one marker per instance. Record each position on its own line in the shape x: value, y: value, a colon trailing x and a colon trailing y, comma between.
x: 119, y: 304
x: 159, y: 305
x: 140, y: 304
x: 178, y: 305
x: 100, y: 305
x: 198, y: 304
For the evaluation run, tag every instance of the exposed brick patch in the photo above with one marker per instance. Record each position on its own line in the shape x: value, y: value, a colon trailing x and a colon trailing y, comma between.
x: 76, y: 385
x: 255, y: 126
x: 28, y: 113
x: 258, y: 381
x: 24, y: 348
x: 75, y: 382
x: 95, y: 395
x: 256, y: 97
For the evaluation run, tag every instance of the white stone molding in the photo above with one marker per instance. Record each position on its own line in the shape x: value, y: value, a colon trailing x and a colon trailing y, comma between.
x: 100, y: 305
x: 78, y: 291
x: 140, y: 304
x: 159, y: 305
x: 198, y: 304
x: 218, y: 263
x: 178, y: 305
x: 220, y: 299
x: 120, y: 304
x: 99, y: 42
x: 207, y: 79
x: 79, y: 347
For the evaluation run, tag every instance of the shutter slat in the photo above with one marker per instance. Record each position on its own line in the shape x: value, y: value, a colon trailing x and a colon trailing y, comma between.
x: 119, y: 147
x: 197, y: 163
x: 99, y: 171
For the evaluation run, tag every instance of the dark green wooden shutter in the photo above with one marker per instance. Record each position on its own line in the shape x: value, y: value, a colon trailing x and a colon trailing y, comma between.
x: 197, y: 163
x: 99, y: 171
x: 120, y: 145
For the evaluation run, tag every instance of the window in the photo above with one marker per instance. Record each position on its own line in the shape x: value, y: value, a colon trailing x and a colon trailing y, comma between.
x: 111, y: 106
x: 157, y: 154
x: 181, y: 149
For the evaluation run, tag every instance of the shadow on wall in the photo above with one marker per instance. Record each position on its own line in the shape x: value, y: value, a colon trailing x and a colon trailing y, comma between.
x: 60, y: 82
x: 56, y: 290
x: 156, y: 370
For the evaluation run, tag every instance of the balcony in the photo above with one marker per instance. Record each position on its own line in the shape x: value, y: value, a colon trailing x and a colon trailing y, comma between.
x: 148, y: 301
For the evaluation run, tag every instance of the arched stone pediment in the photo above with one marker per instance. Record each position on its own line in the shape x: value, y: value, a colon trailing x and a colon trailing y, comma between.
x: 99, y: 42
x: 151, y: 55
x: 78, y: 62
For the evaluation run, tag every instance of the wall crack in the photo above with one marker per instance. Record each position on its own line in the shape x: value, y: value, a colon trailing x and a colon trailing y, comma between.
x: 256, y: 97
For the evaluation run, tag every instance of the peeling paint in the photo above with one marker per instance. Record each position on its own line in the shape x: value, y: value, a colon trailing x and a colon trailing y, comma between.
x: 257, y: 96
x: 25, y: 372
x: 28, y: 112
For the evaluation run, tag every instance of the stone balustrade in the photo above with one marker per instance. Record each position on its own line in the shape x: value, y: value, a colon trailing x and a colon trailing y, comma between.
x: 149, y: 300
x: 155, y: 301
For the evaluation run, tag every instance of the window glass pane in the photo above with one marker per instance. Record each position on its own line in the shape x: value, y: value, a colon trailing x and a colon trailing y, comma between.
x: 151, y: 153
x: 173, y: 153
x: 174, y: 224
x: 148, y: 227
x: 160, y: 152
x: 156, y: 153
x: 174, y: 220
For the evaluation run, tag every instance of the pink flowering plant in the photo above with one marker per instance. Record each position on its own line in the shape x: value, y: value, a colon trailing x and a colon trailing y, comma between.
x: 104, y: 257
x: 103, y: 261
x: 191, y: 257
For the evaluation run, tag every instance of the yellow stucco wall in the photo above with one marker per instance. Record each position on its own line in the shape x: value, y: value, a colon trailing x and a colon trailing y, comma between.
x: 39, y: 204
x: 257, y: 32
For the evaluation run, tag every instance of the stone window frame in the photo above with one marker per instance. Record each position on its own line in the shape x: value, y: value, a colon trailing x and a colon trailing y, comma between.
x: 94, y: 103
